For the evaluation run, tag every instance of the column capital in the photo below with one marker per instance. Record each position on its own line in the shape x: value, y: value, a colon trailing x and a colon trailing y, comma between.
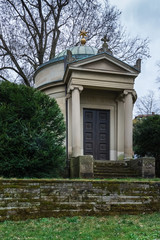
x: 126, y: 92
x: 132, y: 92
x: 73, y: 87
x: 121, y: 96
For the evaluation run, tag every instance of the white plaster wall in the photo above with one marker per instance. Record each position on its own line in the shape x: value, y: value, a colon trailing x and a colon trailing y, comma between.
x: 59, y: 94
x: 49, y: 73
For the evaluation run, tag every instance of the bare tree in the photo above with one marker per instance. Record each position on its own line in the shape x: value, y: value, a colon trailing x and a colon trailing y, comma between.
x: 33, y: 31
x: 147, y: 104
x: 158, y: 77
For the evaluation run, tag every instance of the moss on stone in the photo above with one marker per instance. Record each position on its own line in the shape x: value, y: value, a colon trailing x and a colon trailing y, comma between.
x: 47, y: 198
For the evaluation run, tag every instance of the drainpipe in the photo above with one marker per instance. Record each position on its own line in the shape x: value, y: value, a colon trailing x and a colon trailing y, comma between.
x: 67, y: 162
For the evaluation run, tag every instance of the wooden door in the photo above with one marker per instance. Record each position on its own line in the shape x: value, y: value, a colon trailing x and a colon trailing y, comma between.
x: 96, y: 131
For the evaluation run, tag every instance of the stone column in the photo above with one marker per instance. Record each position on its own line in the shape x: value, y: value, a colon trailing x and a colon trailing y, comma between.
x: 128, y: 128
x: 120, y: 126
x: 76, y: 130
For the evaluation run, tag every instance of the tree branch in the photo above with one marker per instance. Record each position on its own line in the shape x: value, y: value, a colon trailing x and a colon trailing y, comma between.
x: 21, y: 73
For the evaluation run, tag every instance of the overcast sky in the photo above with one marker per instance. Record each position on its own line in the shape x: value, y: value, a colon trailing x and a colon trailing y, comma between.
x: 142, y: 17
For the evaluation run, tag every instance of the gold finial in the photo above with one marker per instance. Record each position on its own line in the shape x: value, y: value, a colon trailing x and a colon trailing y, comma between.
x: 83, y: 33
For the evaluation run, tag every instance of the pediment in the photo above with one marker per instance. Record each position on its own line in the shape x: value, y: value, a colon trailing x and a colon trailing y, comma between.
x: 104, y: 63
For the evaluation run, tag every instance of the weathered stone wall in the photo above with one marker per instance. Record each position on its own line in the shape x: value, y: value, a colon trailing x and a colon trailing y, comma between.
x: 22, y: 199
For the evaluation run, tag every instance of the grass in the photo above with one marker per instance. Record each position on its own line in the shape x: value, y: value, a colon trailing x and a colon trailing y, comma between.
x: 126, y: 227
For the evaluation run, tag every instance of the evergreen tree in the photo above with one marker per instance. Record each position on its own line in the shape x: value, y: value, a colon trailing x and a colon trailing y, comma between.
x: 32, y: 133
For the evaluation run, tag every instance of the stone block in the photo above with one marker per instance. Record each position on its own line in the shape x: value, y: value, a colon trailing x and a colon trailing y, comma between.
x: 145, y: 166
x: 86, y: 166
x: 74, y: 167
x: 81, y: 167
x: 148, y: 167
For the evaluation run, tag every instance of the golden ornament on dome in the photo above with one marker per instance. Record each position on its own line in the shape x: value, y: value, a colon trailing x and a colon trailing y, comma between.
x: 83, y: 33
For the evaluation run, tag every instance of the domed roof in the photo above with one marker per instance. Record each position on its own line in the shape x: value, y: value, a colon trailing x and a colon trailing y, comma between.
x: 78, y: 52
x: 82, y: 51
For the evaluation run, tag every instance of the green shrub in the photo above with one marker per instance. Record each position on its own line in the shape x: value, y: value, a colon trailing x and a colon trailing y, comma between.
x: 32, y: 133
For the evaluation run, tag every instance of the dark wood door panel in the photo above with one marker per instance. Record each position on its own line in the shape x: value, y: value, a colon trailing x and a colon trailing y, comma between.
x: 96, y: 133
x: 89, y: 118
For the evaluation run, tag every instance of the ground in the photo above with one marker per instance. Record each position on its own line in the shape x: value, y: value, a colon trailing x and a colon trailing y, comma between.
x: 125, y: 227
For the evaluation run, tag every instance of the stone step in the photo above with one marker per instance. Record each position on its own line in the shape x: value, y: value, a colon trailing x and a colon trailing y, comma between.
x: 114, y: 175
x: 114, y: 172
x: 113, y: 169
x: 110, y: 164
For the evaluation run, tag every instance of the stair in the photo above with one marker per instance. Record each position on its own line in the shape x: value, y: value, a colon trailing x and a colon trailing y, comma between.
x: 113, y: 169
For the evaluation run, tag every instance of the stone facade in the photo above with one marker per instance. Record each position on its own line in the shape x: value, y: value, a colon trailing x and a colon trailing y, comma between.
x: 92, y: 81
x: 23, y: 199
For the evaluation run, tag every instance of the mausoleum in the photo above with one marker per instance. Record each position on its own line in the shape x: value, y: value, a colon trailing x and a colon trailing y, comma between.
x: 95, y: 92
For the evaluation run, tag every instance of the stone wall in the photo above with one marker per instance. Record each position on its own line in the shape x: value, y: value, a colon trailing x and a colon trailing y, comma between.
x: 22, y: 199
